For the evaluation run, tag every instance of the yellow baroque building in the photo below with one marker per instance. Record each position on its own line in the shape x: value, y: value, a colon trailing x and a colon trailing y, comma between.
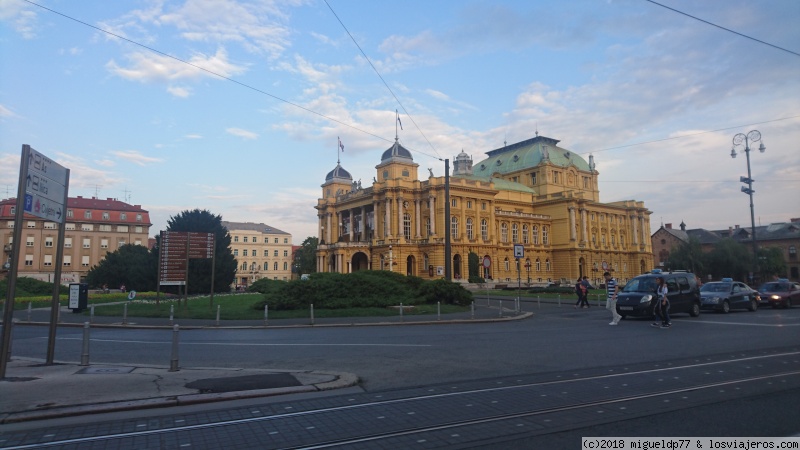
x: 533, y: 193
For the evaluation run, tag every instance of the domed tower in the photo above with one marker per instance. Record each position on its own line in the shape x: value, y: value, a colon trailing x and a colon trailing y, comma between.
x: 396, y: 163
x: 338, y: 181
x: 462, y: 164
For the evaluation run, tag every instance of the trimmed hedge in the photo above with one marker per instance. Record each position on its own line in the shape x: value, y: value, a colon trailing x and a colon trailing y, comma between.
x: 362, y: 289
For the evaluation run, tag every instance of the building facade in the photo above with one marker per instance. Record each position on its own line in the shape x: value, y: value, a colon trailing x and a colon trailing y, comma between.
x: 533, y: 193
x: 784, y: 236
x: 93, y: 227
x: 261, y: 251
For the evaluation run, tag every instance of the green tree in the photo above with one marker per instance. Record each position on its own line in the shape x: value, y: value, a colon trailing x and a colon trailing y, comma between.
x: 729, y: 259
x: 688, y: 256
x: 200, y: 269
x: 306, y: 255
x: 132, y: 265
x: 473, y: 265
x: 770, y: 262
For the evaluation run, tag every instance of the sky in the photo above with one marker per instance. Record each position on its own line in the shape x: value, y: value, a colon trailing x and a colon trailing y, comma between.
x: 237, y: 107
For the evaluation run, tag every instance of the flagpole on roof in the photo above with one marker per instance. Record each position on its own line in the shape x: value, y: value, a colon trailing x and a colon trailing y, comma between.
x: 396, y: 120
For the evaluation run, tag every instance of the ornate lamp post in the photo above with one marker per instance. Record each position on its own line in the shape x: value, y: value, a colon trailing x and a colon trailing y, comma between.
x: 746, y: 139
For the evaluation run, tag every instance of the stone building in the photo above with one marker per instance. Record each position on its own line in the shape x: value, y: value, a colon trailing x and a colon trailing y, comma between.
x: 93, y: 228
x: 533, y: 193
x: 261, y: 251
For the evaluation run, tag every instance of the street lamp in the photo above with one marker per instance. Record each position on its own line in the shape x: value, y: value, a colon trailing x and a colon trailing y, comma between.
x: 746, y: 139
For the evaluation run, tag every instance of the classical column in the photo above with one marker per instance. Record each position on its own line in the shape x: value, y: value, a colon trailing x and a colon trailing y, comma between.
x: 375, y: 233
x: 328, y: 233
x: 352, y: 223
x: 400, y: 229
x: 642, y: 230
x: 635, y: 230
x: 572, y: 236
x: 363, y: 226
x: 432, y: 209
x: 584, y: 226
x: 416, y: 217
x: 387, y: 224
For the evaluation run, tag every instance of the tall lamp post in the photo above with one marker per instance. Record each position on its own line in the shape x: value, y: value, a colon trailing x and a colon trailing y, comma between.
x: 746, y: 139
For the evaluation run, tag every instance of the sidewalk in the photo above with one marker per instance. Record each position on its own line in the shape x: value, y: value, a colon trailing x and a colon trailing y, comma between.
x: 35, y: 391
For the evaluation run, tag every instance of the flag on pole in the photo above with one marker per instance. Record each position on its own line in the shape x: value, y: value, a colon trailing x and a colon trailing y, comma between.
x: 398, y: 121
x: 341, y: 146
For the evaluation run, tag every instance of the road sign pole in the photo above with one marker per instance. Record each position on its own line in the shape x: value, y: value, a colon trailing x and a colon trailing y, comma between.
x: 8, y: 307
x: 55, y: 305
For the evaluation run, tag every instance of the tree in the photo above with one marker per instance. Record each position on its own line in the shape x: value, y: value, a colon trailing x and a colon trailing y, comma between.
x: 687, y: 256
x: 473, y: 265
x: 132, y: 265
x: 770, y: 262
x: 200, y: 269
x: 729, y: 259
x: 306, y: 255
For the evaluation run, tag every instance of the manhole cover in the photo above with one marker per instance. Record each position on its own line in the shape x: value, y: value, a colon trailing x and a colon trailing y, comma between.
x: 244, y: 383
x: 105, y: 370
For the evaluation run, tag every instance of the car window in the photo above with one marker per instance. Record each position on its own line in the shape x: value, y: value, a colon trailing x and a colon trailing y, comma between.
x: 672, y: 285
x: 683, y: 282
x: 645, y: 284
x: 737, y: 287
x: 716, y: 287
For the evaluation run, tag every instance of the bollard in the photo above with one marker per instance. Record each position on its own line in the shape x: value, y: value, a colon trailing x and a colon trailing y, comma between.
x: 559, y: 300
x: 500, y: 309
x: 173, y: 362
x: 91, y: 314
x: 266, y: 314
x: 29, y: 311
x: 538, y: 302
x: 10, y: 338
x: 312, y: 314
x: 171, y: 313
x: 125, y: 314
x: 218, y: 306
x: 85, y: 352
x: 401, y: 312
x: 438, y: 310
x: 472, y: 310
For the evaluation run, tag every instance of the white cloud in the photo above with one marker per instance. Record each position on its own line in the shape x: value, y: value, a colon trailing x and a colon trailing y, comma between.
x: 242, y: 133
x: 194, y: 136
x: 21, y: 16
x: 136, y: 157
x: 5, y: 112
x: 179, y: 91
x: 150, y: 67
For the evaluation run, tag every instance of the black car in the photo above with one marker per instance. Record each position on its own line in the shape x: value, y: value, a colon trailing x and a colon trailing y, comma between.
x: 638, y: 297
x: 726, y: 295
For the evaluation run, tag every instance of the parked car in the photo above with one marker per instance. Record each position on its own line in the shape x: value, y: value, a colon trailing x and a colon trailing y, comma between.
x: 783, y: 293
x: 638, y: 297
x: 727, y: 294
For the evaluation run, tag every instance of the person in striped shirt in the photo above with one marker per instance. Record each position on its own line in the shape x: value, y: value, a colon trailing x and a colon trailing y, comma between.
x: 611, y: 298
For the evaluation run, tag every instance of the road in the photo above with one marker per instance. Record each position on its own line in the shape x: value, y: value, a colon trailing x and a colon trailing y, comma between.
x: 544, y: 381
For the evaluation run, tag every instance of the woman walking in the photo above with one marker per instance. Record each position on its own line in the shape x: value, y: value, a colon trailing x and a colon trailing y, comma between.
x: 661, y: 308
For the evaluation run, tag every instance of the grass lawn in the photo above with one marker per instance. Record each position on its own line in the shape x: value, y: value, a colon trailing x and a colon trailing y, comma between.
x: 241, y: 307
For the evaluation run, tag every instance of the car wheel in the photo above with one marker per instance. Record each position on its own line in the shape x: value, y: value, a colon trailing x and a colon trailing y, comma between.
x: 753, y: 305
x: 695, y: 311
x: 726, y: 307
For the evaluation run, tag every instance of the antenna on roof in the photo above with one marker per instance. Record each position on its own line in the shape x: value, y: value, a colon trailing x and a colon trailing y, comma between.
x: 97, y: 191
x: 537, y: 129
x: 127, y: 195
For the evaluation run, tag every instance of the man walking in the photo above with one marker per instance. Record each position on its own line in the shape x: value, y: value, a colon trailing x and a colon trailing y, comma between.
x: 611, y: 298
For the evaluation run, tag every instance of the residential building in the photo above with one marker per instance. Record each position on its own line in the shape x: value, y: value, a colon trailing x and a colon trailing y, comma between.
x: 93, y: 228
x: 532, y: 193
x: 784, y: 236
x: 261, y: 251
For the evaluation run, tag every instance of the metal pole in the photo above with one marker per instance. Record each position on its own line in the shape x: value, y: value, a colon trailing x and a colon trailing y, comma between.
x: 472, y: 310
x: 125, y: 314
x: 448, y: 274
x: 438, y: 310
x: 312, y: 314
x: 91, y: 314
x: 266, y: 314
x: 559, y: 300
x: 171, y: 314
x: 218, y: 307
x: 500, y: 309
x: 10, y: 338
x: 56, y: 305
x: 401, y: 312
x: 29, y: 310
x: 85, y: 352
x: 173, y: 362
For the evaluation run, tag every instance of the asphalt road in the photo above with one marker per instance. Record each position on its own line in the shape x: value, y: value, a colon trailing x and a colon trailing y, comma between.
x: 758, y: 351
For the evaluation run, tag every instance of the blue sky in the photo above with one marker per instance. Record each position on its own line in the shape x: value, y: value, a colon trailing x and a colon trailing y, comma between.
x: 605, y: 77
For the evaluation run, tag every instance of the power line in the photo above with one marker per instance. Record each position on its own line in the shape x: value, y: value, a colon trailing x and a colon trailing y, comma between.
x: 723, y: 28
x: 381, y: 77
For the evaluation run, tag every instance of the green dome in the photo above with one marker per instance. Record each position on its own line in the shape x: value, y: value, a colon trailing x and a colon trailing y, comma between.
x: 526, y: 155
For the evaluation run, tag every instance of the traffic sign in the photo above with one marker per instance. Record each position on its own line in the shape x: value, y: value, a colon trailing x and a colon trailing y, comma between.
x: 45, y: 186
x: 519, y: 251
x: 487, y: 262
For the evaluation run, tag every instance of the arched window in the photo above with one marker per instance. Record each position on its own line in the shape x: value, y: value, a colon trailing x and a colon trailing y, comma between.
x: 428, y: 226
x: 266, y: 266
x: 244, y: 266
x: 545, y: 239
x: 503, y: 232
x: 454, y: 227
x: 505, y: 262
x: 514, y: 233
x: 547, y: 265
x: 484, y: 229
x: 407, y: 226
x: 538, y: 265
x: 275, y: 266
x: 285, y: 265
x: 536, y: 235
x: 470, y: 231
x: 383, y: 263
x: 525, y: 234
